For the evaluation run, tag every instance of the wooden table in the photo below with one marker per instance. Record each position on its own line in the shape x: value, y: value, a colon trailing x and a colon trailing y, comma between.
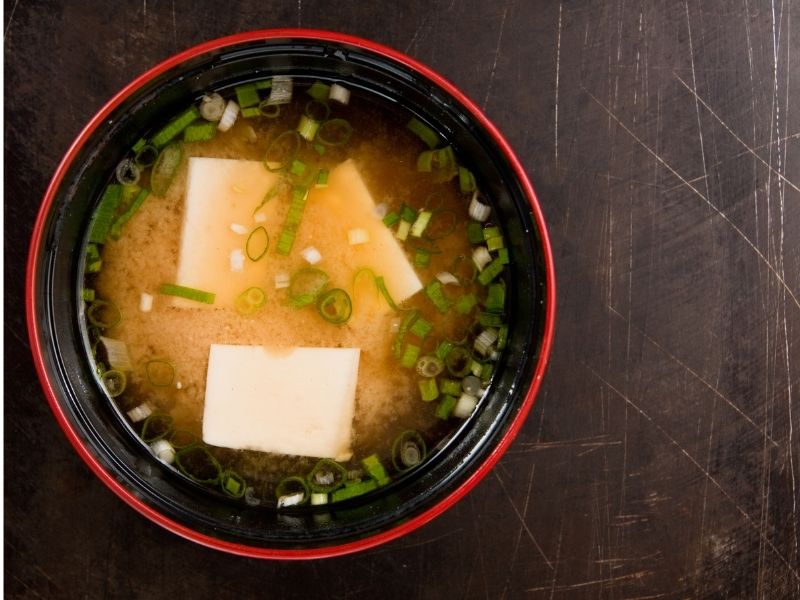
x: 662, y: 458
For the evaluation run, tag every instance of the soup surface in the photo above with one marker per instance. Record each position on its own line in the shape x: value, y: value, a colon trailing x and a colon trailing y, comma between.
x: 160, y: 290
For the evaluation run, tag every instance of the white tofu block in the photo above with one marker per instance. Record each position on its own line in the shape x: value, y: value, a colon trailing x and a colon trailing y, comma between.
x: 220, y: 191
x: 297, y: 401
x: 346, y: 205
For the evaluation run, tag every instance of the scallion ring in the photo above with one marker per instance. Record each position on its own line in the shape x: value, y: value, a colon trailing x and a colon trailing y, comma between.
x: 257, y: 243
x: 127, y: 172
x: 429, y: 366
x: 250, y: 300
x: 442, y: 224
x: 335, y: 132
x: 199, y: 465
x: 318, y: 111
x: 305, y: 285
x: 408, y: 450
x: 458, y: 362
x: 160, y: 372
x: 114, y: 381
x: 146, y: 156
x: 282, y: 151
x: 326, y: 476
x: 335, y: 306
x: 291, y: 491
x: 103, y: 314
x: 156, y: 427
x: 269, y: 110
x: 180, y: 438
x: 233, y: 484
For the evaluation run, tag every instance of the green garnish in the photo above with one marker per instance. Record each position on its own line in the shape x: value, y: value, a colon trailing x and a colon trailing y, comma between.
x: 391, y: 219
x: 445, y: 407
x: 200, y: 132
x: 114, y: 381
x: 451, y: 387
x: 492, y: 270
x: 495, y: 297
x: 145, y: 155
x: 466, y: 180
x: 421, y: 328
x: 322, y: 179
x: 475, y: 232
x: 305, y: 285
x: 292, y: 222
x: 291, y: 486
x: 160, y: 372
x: 156, y: 427
x: 282, y: 151
x: 319, y: 91
x: 423, y: 132
x: 198, y: 464
x: 171, y: 289
x: 105, y: 213
x: 176, y: 126
x: 428, y: 389
x: 375, y: 469
x: 103, y: 314
x: 335, y: 132
x: 116, y: 228
x: 410, y: 355
x: 408, y: 450
x: 165, y: 168
x: 269, y: 110
x: 335, y: 306
x: 351, y: 490
x: 435, y: 292
x: 308, y: 127
x: 458, y: 362
x: 233, y: 484
x: 326, y: 476
x: 466, y: 303
x: 257, y: 243
x: 247, y: 95
x: 250, y: 300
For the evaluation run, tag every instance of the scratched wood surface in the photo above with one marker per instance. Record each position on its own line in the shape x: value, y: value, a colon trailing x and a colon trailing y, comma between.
x: 662, y: 458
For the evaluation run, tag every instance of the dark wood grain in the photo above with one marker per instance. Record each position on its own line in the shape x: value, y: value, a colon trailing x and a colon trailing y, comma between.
x: 662, y: 459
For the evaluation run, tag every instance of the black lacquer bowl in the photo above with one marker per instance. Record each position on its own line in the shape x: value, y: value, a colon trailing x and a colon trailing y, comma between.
x: 96, y: 429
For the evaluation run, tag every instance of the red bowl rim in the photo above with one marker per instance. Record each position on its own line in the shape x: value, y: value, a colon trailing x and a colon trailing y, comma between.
x: 373, y: 539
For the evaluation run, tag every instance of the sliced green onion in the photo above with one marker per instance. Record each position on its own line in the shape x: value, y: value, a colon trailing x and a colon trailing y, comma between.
x: 170, y: 289
x: 423, y: 132
x: 410, y: 355
x: 281, y: 185
x: 251, y: 112
x: 375, y: 469
x: 199, y: 465
x: 335, y: 132
x: 422, y: 258
x: 421, y: 222
x: 429, y: 366
x: 297, y: 167
x: 495, y: 243
x: 442, y: 224
x: 117, y: 353
x: 247, y: 95
x: 445, y: 407
x: 391, y: 219
x: 402, y: 230
x: 428, y: 389
x: 495, y: 298
x: 481, y: 257
x: 93, y: 261
x: 305, y: 285
x: 458, y: 362
x: 319, y: 91
x: 157, y: 426
x: 116, y: 228
x: 486, y: 372
x: 212, y: 106
x: 339, y: 93
x: 502, y: 337
x: 351, y: 490
x: 140, y: 143
x: 475, y: 232
x: 233, y: 484
x: 466, y: 180
x: 127, y: 172
x: 443, y: 349
x: 489, y: 319
x: 435, y: 293
x: 326, y: 476
x: 451, y: 387
x: 103, y: 314
x: 502, y: 256
x: 408, y: 450
x: 421, y: 328
x: 165, y: 168
x: 163, y: 451
x: 200, y: 132
x: 335, y: 306
x: 308, y: 127
x: 180, y: 438
x: 483, y: 343
x: 114, y: 381
x: 105, y: 213
x: 175, y: 127
x: 408, y: 214
x: 491, y: 271
x: 87, y: 295
x: 464, y: 406
x: 145, y: 156
x: 229, y: 116
x: 263, y: 84
x: 318, y: 111
x: 250, y: 300
x: 319, y: 148
x: 322, y: 179
x: 408, y: 320
x: 282, y: 151
x: 269, y: 110
x: 160, y: 372
x: 381, y: 284
x: 292, y: 491
x: 257, y: 243
x: 292, y: 221
x: 466, y: 303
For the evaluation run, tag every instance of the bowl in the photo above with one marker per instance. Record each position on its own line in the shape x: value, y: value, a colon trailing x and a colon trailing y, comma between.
x: 97, y: 430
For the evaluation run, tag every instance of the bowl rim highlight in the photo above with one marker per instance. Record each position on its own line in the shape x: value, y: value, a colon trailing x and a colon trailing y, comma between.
x: 34, y: 329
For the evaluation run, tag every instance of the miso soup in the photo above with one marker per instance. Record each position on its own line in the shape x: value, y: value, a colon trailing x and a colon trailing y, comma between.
x: 294, y: 294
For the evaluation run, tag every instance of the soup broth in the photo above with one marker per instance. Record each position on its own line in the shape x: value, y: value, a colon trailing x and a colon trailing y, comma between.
x: 425, y: 361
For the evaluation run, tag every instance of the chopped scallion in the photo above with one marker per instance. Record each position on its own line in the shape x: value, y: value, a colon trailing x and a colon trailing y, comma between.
x: 282, y: 151
x: 492, y: 270
x: 200, y: 132
x: 305, y: 285
x: 429, y: 366
x: 160, y: 372
x: 451, y: 387
x: 422, y: 258
x: 335, y: 132
x: 114, y: 381
x: 250, y: 300
x: 257, y: 243
x: 171, y: 289
x: 247, y: 95
x: 119, y: 223
x: 175, y: 127
x: 198, y: 464
x: 319, y: 91
x: 495, y: 297
x: 423, y: 132
x: 466, y: 303
x: 435, y: 293
x: 326, y: 476
x: 445, y: 407
x: 165, y: 168
x: 375, y: 469
x: 354, y: 489
x: 391, y: 219
x: 105, y: 213
x: 233, y: 484
x: 466, y: 180
x: 103, y: 314
x: 421, y: 328
x: 408, y: 450
x: 335, y: 306
x: 410, y: 355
